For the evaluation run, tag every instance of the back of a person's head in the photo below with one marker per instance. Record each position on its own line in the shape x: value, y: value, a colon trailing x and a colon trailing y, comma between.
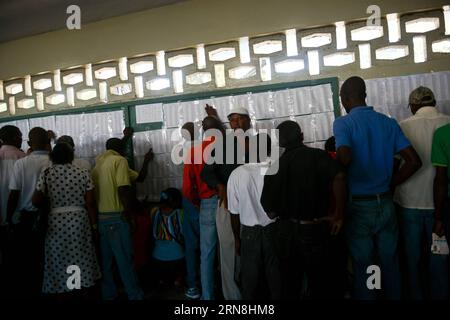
x: 171, y: 197
x: 354, y: 88
x: 66, y: 139
x: 62, y: 153
x: 115, y: 144
x: 289, y: 134
x: 10, y: 134
x: 421, y: 97
x: 38, y: 138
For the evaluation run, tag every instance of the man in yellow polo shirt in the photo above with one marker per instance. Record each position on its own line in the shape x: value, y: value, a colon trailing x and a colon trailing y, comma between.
x: 112, y: 178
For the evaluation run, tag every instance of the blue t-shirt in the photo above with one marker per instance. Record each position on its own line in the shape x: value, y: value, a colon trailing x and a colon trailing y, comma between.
x: 374, y: 139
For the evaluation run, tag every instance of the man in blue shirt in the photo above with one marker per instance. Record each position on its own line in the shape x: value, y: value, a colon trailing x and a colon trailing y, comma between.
x: 366, y: 143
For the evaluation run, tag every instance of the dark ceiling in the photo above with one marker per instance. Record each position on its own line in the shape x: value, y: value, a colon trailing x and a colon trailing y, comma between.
x: 23, y: 18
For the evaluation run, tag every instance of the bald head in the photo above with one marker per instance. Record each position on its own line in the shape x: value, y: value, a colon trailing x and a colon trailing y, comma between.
x: 115, y: 144
x: 290, y: 134
x: 38, y: 139
x: 353, y: 93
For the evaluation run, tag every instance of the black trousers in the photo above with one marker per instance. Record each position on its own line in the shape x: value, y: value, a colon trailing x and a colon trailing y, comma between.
x: 26, y: 262
x: 305, y: 253
x: 259, y: 263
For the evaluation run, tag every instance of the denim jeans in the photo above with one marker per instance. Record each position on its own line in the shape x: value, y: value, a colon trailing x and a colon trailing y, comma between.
x: 191, y: 229
x: 208, y: 245
x: 259, y: 262
x: 416, y: 227
x: 372, y: 235
x: 116, y: 243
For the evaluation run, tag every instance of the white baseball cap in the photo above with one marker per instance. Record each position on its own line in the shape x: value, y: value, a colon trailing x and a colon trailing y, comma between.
x: 238, y: 110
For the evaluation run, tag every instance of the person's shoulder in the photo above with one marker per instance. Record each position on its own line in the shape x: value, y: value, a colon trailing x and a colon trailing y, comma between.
x: 342, y: 119
x: 443, y: 131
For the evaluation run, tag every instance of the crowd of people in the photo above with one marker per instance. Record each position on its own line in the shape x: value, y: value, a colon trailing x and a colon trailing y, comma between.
x: 314, y: 228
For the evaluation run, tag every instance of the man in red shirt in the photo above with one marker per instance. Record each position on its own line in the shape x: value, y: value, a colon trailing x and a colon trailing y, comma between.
x: 203, y: 200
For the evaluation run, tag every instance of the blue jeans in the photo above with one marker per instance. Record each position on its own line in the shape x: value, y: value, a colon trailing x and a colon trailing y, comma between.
x: 116, y: 243
x: 191, y: 229
x: 372, y: 234
x: 208, y: 245
x: 416, y: 227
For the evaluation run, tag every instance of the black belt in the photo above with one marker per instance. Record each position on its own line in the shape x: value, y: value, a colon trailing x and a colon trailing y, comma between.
x: 370, y: 197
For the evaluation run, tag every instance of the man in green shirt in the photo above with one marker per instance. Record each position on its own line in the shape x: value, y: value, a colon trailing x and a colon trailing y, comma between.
x: 440, y: 157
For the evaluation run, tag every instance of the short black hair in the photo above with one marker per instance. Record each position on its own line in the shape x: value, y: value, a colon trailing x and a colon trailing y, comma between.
x: 172, y: 198
x: 115, y: 144
x: 354, y: 88
x: 290, y: 133
x: 8, y: 133
x: 62, y: 153
x: 66, y: 139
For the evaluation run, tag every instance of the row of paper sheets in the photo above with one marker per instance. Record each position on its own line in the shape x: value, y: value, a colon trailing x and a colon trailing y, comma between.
x: 263, y: 105
x: 88, y: 130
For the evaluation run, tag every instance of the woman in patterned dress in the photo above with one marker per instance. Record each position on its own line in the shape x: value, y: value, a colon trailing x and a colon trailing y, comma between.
x: 69, y: 240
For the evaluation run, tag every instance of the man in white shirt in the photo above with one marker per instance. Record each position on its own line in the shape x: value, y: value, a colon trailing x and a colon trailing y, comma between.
x: 9, y: 153
x: 415, y: 197
x: 28, y: 246
x: 253, y: 230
